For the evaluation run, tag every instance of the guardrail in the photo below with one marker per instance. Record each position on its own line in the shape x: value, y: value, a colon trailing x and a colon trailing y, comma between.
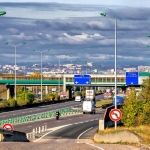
x: 39, y: 116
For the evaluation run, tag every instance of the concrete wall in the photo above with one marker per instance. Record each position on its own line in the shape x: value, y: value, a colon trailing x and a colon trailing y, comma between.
x: 13, y: 136
x: 122, y: 136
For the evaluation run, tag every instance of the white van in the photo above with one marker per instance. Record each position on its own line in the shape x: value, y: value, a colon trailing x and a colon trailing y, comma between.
x: 88, y: 107
x: 78, y: 99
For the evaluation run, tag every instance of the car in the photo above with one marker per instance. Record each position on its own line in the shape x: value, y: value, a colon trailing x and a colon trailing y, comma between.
x: 78, y: 99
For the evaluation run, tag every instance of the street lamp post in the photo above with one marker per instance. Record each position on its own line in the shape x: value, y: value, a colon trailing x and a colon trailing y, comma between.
x: 115, y: 19
x: 41, y: 52
x: 58, y: 74
x: 15, y: 61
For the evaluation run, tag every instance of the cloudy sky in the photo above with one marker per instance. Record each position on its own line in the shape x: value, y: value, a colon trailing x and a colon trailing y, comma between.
x: 75, y: 28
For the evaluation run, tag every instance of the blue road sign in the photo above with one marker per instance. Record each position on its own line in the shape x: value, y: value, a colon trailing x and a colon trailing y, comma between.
x: 82, y: 79
x: 131, y: 78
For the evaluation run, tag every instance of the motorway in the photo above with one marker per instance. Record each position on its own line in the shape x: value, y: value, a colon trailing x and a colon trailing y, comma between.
x: 75, y: 135
x: 40, y: 109
x: 52, y: 122
x: 78, y: 137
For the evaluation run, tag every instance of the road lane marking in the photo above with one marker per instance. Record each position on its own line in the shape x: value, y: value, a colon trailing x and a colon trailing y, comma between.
x: 84, y: 132
x: 42, y: 136
x: 44, y: 123
x: 14, y: 114
x: 95, y: 146
x: 29, y: 126
x: 70, y: 119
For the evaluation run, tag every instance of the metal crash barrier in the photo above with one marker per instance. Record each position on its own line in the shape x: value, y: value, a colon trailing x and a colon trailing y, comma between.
x: 38, y: 116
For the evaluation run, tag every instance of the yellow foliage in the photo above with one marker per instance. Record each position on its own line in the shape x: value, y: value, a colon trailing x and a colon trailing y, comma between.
x: 35, y: 75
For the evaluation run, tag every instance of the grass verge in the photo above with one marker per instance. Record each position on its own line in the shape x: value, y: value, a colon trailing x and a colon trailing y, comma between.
x: 103, y: 102
x: 143, y: 131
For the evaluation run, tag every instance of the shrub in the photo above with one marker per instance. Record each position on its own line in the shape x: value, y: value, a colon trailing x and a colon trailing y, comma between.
x: 5, y: 103
x: 12, y: 102
x: 24, y: 98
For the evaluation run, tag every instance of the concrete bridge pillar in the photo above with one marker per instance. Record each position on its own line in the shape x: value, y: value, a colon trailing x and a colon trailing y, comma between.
x: 10, y: 91
x: 69, y: 92
x: 64, y: 83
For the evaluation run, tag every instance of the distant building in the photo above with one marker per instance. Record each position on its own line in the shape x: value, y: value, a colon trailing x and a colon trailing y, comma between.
x: 130, y: 69
x: 144, y: 68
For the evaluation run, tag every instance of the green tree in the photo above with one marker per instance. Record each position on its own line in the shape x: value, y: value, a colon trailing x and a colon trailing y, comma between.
x: 144, y: 96
x: 5, y: 103
x: 36, y: 75
x: 12, y: 102
x: 56, y: 96
x: 83, y: 93
x: 24, y: 98
x: 130, y: 109
x: 78, y: 93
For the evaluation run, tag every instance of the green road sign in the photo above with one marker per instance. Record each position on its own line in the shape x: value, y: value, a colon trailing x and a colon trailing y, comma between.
x: 143, y: 73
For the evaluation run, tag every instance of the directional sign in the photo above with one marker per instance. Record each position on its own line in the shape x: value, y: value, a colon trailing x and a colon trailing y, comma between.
x: 115, y: 114
x: 8, y: 127
x: 82, y: 79
x: 131, y: 78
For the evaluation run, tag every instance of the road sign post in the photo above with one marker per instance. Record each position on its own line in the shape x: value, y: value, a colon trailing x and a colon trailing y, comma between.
x: 115, y: 115
x: 8, y: 127
x: 82, y: 79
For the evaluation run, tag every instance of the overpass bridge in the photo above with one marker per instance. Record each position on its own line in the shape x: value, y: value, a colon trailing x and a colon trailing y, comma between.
x: 66, y: 80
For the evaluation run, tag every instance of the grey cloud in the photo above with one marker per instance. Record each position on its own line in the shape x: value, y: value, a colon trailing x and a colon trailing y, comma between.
x: 42, y: 34
x: 130, y: 13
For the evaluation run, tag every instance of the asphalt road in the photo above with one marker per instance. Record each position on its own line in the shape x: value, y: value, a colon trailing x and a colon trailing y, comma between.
x: 73, y: 131
x: 52, y: 122
x: 40, y: 109
x: 78, y: 136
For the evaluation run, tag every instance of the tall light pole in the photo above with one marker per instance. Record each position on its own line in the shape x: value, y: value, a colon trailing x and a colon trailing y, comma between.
x: 115, y: 19
x: 58, y: 73
x: 41, y: 52
x: 15, y: 61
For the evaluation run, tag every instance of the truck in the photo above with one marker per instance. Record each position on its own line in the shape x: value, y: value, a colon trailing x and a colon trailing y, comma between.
x: 119, y: 99
x: 90, y: 95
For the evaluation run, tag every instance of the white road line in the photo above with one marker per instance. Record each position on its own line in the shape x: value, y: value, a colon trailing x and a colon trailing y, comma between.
x: 44, y: 123
x: 14, y: 114
x: 84, y: 132
x: 29, y: 126
x: 95, y: 146
x: 70, y: 119
x: 42, y: 136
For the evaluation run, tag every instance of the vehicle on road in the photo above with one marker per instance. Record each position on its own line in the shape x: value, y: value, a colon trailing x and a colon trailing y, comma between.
x: 90, y: 95
x: 57, y: 115
x: 88, y: 107
x: 78, y: 98
x: 119, y: 100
